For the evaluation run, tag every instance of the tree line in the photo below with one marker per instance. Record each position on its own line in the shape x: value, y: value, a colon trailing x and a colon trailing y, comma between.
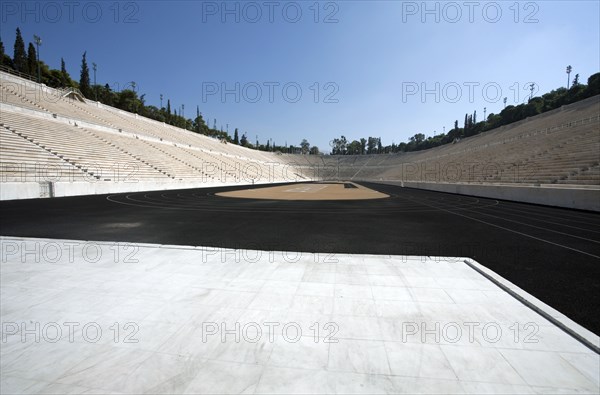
x: 127, y: 99
x: 535, y: 105
x: 25, y: 62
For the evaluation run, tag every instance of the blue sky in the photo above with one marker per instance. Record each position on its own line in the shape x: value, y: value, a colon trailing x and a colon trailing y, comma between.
x: 360, y: 65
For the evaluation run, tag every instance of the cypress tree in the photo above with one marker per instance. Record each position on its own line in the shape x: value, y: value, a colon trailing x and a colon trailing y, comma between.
x: 19, y: 56
x: 198, y: 119
x: 84, y: 80
x: 5, y: 59
x: 1, y: 52
x: 31, y: 60
x: 66, y: 78
x: 236, y: 137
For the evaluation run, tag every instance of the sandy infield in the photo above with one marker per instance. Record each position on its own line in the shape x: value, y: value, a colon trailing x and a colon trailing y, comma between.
x: 325, y: 191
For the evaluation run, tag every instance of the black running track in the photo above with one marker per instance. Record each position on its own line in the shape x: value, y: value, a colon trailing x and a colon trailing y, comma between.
x: 552, y: 253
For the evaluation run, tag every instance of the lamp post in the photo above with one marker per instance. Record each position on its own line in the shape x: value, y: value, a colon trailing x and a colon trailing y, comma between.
x: 38, y: 42
x: 95, y: 67
x: 531, y: 88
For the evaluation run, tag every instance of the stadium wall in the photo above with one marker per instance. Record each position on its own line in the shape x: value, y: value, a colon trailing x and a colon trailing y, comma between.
x: 20, y: 190
x: 35, y: 190
x: 576, y: 197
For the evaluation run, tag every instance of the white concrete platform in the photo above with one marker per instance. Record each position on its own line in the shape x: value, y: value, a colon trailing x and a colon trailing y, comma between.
x: 86, y: 317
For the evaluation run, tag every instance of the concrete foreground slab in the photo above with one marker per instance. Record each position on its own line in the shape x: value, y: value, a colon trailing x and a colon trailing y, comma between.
x: 90, y: 317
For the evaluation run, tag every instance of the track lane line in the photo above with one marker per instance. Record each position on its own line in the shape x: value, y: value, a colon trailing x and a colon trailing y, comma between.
x: 536, y: 210
x: 550, y: 222
x: 521, y: 233
x: 533, y: 226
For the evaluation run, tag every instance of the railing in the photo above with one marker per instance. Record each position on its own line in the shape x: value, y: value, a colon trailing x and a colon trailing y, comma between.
x: 9, y: 70
x: 67, y: 91
x: 56, y: 82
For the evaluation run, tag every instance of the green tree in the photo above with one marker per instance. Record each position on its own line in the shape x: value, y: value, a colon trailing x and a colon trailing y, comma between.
x: 64, y: 75
x: 236, y: 137
x: 363, y: 146
x: 199, y: 124
x: 314, y: 150
x: 418, y: 138
x: 5, y: 60
x: 305, y: 146
x: 19, y: 56
x: 575, y: 81
x: 127, y: 100
x: 339, y: 146
x: 1, y: 52
x: 84, y: 80
x: 244, y: 140
x: 593, y: 87
x: 354, y: 148
x: 107, y: 96
x: 31, y: 60
x: 371, y: 145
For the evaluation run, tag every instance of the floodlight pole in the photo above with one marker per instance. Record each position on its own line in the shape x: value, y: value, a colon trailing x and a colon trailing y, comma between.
x: 484, y: 112
x: 531, y: 88
x: 161, y: 100
x: 38, y: 42
x: 569, y: 69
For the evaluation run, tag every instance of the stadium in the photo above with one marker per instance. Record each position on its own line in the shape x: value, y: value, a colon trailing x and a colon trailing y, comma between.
x: 140, y: 255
